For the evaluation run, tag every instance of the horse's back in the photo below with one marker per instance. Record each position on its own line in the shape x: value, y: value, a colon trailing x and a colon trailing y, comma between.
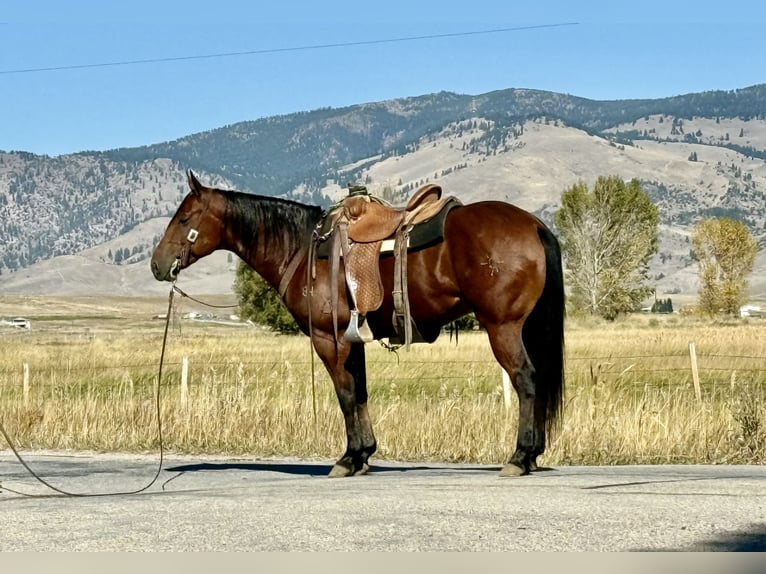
x: 496, y: 228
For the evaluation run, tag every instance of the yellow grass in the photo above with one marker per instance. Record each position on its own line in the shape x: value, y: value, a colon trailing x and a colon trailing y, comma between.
x: 630, y: 396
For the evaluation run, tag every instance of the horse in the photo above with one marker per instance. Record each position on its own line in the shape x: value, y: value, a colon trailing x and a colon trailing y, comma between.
x: 495, y: 260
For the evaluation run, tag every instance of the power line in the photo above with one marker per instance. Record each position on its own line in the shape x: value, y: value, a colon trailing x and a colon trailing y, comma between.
x: 287, y: 49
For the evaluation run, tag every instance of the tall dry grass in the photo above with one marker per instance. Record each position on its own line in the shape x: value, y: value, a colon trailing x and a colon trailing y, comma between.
x: 630, y: 396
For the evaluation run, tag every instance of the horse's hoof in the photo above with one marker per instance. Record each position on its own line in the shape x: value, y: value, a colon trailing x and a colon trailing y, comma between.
x: 362, y: 471
x: 511, y: 470
x: 532, y: 465
x: 340, y: 470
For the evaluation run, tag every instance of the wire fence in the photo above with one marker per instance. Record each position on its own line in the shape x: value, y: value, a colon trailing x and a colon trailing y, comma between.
x: 708, y: 362
x: 700, y: 371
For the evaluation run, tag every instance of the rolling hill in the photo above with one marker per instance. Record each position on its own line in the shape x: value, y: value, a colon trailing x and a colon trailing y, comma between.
x: 86, y: 223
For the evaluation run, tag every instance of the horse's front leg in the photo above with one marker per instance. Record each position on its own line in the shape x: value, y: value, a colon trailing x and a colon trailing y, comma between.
x: 349, y: 375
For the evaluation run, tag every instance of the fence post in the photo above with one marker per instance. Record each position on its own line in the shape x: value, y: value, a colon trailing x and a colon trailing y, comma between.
x: 25, y: 383
x: 506, y: 389
x: 695, y: 371
x: 184, y: 381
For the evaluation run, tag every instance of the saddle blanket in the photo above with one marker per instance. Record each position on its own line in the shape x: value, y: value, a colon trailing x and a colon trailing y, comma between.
x: 422, y: 235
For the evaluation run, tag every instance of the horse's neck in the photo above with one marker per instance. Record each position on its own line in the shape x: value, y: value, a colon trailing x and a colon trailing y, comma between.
x: 268, y: 236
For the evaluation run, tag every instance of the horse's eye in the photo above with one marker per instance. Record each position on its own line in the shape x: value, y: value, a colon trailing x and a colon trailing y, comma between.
x: 184, y: 220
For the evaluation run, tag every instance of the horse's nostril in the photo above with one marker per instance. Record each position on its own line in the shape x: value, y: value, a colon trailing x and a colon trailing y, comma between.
x: 156, y: 271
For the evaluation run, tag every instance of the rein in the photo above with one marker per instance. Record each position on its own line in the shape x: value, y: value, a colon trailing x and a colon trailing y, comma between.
x: 159, y: 435
x: 181, y: 292
x: 292, y: 267
x: 287, y: 277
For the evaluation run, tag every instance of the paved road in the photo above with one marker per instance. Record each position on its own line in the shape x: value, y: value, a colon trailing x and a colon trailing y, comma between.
x: 208, y: 503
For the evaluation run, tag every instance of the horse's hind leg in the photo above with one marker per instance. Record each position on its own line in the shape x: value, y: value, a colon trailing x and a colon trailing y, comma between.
x: 349, y: 375
x: 509, y: 351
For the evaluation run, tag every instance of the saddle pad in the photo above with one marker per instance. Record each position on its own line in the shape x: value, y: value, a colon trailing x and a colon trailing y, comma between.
x: 428, y: 232
x: 422, y: 235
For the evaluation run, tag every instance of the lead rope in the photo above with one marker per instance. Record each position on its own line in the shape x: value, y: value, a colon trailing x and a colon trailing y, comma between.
x: 309, y: 302
x: 159, y: 435
x: 211, y: 305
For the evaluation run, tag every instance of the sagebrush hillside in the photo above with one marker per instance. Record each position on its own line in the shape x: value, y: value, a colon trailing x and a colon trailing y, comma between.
x: 697, y: 155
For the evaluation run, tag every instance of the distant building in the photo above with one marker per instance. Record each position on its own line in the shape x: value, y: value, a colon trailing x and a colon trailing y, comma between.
x: 19, y: 322
x: 751, y: 311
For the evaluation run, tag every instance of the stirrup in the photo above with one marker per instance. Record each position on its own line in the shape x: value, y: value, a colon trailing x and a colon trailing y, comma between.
x: 356, y: 333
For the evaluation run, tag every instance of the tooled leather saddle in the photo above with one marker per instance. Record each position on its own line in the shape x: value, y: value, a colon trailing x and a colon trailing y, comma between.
x: 358, y: 227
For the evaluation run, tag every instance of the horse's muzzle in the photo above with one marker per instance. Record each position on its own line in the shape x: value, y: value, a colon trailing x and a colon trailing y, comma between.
x: 166, y: 273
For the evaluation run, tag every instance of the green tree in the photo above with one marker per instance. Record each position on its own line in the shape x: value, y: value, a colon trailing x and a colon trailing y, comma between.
x: 260, y: 302
x: 607, y: 238
x: 726, y: 253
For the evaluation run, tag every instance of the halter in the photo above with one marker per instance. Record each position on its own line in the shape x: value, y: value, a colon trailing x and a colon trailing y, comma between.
x: 183, y: 258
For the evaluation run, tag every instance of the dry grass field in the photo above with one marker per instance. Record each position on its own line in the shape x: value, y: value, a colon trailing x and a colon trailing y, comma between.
x: 92, y: 371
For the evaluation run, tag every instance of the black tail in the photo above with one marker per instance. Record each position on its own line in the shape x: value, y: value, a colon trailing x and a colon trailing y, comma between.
x: 543, y: 332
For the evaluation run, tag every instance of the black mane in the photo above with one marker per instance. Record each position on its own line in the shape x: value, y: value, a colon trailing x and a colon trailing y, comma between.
x: 286, y: 221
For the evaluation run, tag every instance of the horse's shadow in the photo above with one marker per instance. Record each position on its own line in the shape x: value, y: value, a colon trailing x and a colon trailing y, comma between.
x: 318, y: 469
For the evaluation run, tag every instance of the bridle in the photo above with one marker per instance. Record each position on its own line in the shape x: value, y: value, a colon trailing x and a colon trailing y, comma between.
x: 183, y: 258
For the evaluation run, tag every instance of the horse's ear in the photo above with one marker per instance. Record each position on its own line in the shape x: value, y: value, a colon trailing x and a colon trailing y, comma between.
x: 194, y: 183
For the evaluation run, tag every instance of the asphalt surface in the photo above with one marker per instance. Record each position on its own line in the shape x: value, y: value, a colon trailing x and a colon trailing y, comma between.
x: 217, y: 504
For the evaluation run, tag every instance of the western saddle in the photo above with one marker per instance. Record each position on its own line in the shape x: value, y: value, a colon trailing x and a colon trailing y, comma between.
x: 357, y: 227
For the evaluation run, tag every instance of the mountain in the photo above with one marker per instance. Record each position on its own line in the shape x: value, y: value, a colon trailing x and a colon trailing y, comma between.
x: 92, y: 218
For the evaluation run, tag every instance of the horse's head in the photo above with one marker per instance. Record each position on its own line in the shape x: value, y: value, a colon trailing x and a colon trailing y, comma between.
x: 194, y: 232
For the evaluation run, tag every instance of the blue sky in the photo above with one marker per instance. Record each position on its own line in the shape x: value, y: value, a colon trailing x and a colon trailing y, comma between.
x: 596, y: 49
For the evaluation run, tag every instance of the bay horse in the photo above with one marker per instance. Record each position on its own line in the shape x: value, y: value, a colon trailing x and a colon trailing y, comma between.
x: 495, y: 260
